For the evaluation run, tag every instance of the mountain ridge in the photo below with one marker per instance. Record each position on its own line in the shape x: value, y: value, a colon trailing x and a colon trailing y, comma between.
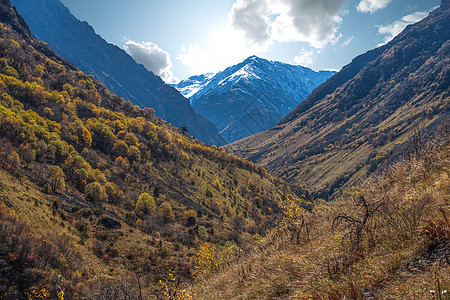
x: 362, y: 115
x: 77, y: 42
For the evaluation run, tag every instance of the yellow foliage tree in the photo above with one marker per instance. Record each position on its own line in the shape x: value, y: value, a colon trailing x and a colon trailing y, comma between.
x: 145, y: 205
x: 166, y: 211
x: 206, y: 262
x: 57, y: 178
x: 293, y: 212
x: 210, y: 259
x: 87, y: 137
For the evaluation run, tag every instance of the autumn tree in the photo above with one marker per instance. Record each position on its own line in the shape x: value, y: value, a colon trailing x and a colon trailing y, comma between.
x: 113, y: 192
x: 121, y: 165
x: 132, y: 140
x: 166, y: 211
x: 206, y: 260
x: 209, y: 259
x: 95, y: 192
x: 202, y: 233
x: 56, y: 178
x: 86, y: 137
x: 120, y: 148
x: 134, y: 154
x: 145, y: 205
x: 13, y: 159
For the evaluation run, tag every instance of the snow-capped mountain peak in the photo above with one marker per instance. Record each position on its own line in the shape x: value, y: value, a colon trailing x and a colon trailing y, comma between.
x: 228, y: 97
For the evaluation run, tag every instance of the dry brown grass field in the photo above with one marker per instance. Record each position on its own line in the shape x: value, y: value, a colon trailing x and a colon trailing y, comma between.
x: 388, y: 239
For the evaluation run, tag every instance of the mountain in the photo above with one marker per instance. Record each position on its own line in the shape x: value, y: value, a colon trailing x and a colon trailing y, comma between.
x: 251, y: 96
x: 100, y: 199
x: 364, y: 114
x: 9, y: 15
x: 77, y: 42
x: 189, y: 87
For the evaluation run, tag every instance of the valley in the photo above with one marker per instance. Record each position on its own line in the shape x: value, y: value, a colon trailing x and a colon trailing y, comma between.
x: 266, y: 180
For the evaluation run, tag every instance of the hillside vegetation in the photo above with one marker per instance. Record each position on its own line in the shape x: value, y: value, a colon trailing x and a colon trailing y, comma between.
x: 98, y: 197
x: 387, y: 239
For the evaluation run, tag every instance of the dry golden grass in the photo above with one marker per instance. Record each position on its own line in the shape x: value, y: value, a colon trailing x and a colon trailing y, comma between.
x: 388, y: 240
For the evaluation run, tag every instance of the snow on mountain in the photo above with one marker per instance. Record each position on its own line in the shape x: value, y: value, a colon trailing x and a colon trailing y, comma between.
x: 189, y: 87
x: 251, y: 96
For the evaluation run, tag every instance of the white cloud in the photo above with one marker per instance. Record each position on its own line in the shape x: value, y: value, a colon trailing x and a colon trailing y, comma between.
x: 252, y: 17
x: 195, y: 59
x: 392, y: 30
x: 153, y: 58
x: 255, y: 25
x: 347, y: 42
x: 305, y: 58
x: 226, y: 47
x: 370, y: 6
x: 312, y: 21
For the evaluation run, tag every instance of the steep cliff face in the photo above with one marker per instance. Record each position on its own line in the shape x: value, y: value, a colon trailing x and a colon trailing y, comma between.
x: 251, y: 96
x: 77, y: 42
x: 9, y: 15
x: 353, y: 122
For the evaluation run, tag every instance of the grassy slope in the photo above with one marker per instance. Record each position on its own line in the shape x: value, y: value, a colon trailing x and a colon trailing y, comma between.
x: 150, y: 255
x: 401, y: 252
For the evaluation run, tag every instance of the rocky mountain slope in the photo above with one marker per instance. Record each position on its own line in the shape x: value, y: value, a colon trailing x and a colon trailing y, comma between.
x: 251, y: 96
x: 101, y: 199
x: 356, y: 120
x: 77, y: 42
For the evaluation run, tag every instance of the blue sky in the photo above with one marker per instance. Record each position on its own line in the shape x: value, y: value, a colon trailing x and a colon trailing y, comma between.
x: 179, y: 38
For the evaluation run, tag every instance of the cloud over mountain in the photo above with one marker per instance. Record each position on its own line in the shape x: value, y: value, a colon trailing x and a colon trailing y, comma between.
x: 393, y: 29
x: 152, y: 57
x: 312, y: 21
x: 251, y: 16
x: 305, y: 58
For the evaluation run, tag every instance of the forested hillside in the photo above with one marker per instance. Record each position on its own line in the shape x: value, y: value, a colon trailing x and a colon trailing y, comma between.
x: 99, y: 197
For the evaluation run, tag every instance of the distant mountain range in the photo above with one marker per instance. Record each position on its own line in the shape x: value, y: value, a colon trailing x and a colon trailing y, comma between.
x: 364, y: 114
x: 251, y: 96
x: 76, y: 41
